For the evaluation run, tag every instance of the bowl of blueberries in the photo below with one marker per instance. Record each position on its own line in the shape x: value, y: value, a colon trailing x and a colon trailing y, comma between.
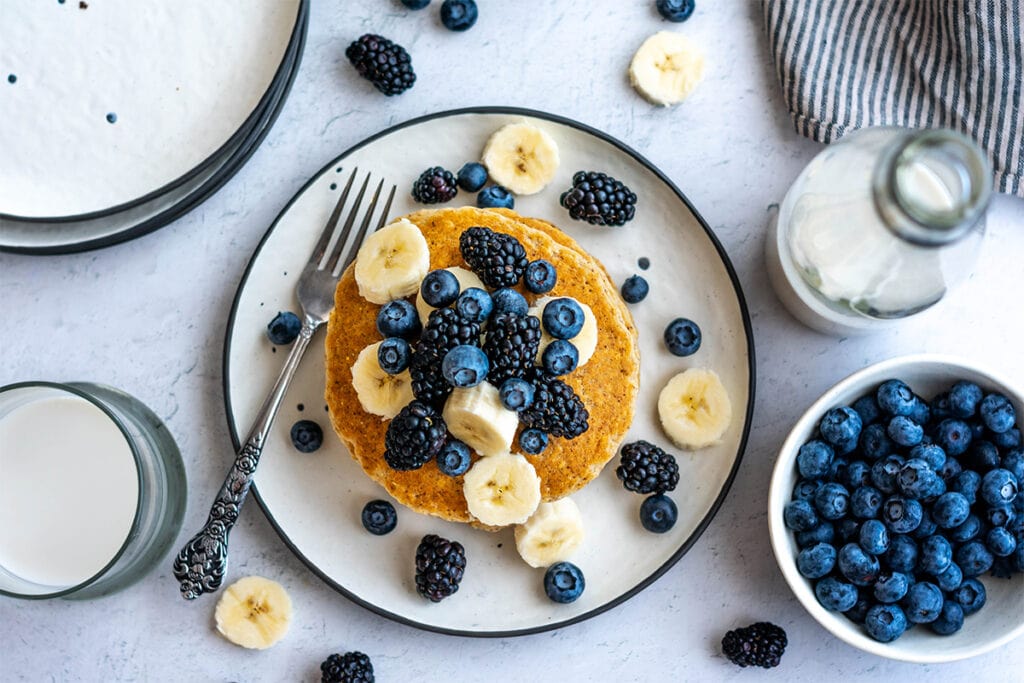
x: 896, y: 510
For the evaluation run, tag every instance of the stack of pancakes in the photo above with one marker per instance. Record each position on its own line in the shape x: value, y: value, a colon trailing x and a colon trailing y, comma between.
x: 607, y: 384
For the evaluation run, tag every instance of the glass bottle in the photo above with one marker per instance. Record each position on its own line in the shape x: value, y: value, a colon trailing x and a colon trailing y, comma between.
x: 878, y: 227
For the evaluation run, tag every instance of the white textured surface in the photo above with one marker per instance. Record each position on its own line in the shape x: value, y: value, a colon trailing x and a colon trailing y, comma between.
x: 148, y: 316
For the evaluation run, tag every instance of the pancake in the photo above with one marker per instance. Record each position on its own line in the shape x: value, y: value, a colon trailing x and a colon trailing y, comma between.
x: 607, y: 384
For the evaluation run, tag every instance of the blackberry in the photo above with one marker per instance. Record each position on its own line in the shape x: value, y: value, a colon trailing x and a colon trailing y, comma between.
x: 599, y: 199
x: 440, y: 564
x: 556, y: 409
x: 511, y: 345
x: 435, y: 186
x: 385, y: 64
x: 351, y: 667
x: 645, y: 468
x: 499, y: 259
x: 446, y: 329
x: 416, y: 435
x: 761, y: 644
x: 428, y: 383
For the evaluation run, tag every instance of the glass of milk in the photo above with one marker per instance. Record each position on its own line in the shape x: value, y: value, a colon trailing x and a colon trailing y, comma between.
x: 878, y: 227
x: 92, y: 490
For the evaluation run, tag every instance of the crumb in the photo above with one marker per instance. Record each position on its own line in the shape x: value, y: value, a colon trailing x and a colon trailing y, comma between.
x: 83, y: 5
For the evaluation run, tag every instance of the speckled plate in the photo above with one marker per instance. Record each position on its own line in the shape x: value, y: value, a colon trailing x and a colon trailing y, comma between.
x: 110, y: 104
x: 314, y: 500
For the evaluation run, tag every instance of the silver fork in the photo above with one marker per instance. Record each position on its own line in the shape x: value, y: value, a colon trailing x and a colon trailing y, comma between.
x: 202, y: 563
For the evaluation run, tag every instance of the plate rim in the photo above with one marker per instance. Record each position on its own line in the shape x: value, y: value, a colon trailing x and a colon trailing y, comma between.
x: 701, y: 527
x: 236, y: 139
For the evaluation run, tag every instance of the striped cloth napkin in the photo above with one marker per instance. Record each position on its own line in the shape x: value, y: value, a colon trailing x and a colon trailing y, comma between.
x: 918, y: 63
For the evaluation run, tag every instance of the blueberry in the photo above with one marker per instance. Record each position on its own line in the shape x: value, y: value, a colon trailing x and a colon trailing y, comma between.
x: 563, y: 582
x: 885, y: 623
x: 675, y: 10
x: 954, y: 436
x: 901, y: 515
x: 495, y: 197
x: 439, y: 288
x: 837, y: 472
x: 1013, y: 462
x: 940, y: 407
x: 393, y: 355
x: 964, y: 398
x: 874, y: 537
x: 902, y: 555
x: 474, y: 304
x: 970, y: 596
x: 920, y: 413
x: 454, y: 458
x: 814, y: 459
x: 1000, y: 515
x: 458, y: 15
x: 891, y: 587
x: 635, y: 289
x: 805, y: 489
x: 465, y: 366
x: 562, y: 318
x: 859, y: 611
x: 415, y: 4
x: 471, y: 176
x: 883, y: 473
x: 658, y: 513
x: 507, y: 300
x: 998, y: 487
x: 399, y: 318
x: 284, y: 328
x: 516, y: 394
x: 379, y: 517
x: 560, y: 357
x: 997, y: 413
x: 974, y: 558
x: 950, y: 578
x: 848, y: 530
x: 823, y: 533
x: 949, y: 469
x: 1008, y: 439
x: 874, y: 442
x: 866, y: 502
x: 904, y: 432
x: 950, y: 619
x: 932, y: 454
x: 966, y: 530
x: 832, y: 501
x: 936, y: 555
x: 816, y: 561
x: 859, y: 567
x: 950, y: 509
x: 540, y: 277
x: 867, y: 408
x: 835, y: 594
x: 682, y: 337
x: 1000, y: 542
x: 923, y: 603
x: 799, y: 515
x: 927, y: 527
x: 533, y: 441
x: 841, y: 428
x: 895, y: 397
x: 916, y: 480
x: 858, y: 473
x: 307, y: 436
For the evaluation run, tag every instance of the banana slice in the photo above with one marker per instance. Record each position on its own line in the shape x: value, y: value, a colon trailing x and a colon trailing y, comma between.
x: 694, y: 408
x: 502, y: 489
x: 521, y: 157
x: 254, y: 612
x: 552, y: 534
x: 380, y: 393
x: 585, y: 342
x: 666, y: 68
x: 466, y: 278
x: 392, y: 262
x: 476, y: 416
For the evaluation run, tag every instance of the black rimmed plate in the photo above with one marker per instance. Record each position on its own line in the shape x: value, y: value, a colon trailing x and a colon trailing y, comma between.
x: 314, y: 500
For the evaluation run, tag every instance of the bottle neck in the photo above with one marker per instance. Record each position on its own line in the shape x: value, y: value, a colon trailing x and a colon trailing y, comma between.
x: 931, y: 187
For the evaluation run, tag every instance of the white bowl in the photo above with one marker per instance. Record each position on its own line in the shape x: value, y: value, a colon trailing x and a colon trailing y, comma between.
x: 998, y: 622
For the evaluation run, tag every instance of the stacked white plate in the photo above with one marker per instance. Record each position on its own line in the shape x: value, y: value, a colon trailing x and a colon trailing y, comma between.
x: 120, y: 116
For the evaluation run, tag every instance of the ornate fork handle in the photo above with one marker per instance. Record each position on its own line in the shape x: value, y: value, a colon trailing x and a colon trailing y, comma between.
x: 200, y: 566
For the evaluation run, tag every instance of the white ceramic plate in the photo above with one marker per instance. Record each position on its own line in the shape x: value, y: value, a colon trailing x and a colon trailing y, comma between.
x: 314, y: 500
x: 182, y: 79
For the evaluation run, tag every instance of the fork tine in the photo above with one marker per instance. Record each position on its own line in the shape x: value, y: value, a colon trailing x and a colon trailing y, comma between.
x: 345, y: 230
x: 331, y: 227
x: 387, y: 209
x: 345, y: 257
